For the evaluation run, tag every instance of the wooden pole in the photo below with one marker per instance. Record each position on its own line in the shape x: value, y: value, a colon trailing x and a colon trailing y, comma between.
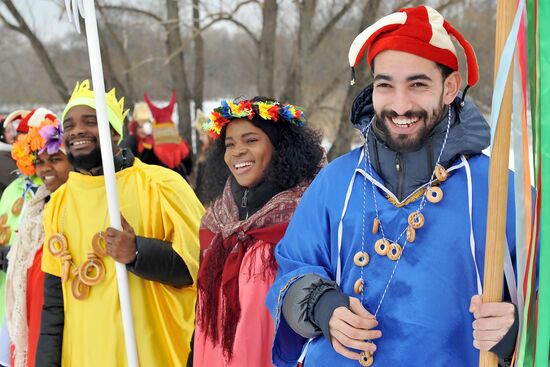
x: 498, y: 179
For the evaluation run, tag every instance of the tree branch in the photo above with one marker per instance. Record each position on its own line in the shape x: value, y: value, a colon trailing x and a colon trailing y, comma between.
x: 228, y: 16
x: 11, y: 26
x: 446, y: 4
x: 334, y: 83
x: 230, y: 12
x: 329, y: 26
x: 40, y: 51
x: 143, y: 62
x: 217, y: 17
x: 133, y: 10
x: 243, y: 27
x: 111, y: 76
x: 244, y: 3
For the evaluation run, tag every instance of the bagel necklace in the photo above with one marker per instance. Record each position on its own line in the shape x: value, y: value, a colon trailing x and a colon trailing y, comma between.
x: 391, y: 248
x: 91, y: 272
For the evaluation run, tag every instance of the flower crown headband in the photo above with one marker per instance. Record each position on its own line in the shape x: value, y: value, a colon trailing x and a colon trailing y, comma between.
x: 230, y: 110
x: 48, y: 136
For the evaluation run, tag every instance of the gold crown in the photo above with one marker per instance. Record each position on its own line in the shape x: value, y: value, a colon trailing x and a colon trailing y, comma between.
x: 82, y: 90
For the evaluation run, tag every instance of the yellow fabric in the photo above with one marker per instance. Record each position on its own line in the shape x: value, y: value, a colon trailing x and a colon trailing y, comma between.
x: 157, y: 203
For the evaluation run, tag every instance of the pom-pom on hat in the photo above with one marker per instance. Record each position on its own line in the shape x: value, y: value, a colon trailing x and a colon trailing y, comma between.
x: 421, y: 31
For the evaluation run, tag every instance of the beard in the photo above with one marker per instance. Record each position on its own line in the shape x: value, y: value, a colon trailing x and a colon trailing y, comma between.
x: 409, y: 142
x: 86, y: 162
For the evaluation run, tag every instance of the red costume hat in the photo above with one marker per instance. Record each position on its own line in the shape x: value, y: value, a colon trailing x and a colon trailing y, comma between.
x: 168, y: 146
x: 14, y: 117
x: 34, y: 118
x: 421, y: 31
x: 29, y: 118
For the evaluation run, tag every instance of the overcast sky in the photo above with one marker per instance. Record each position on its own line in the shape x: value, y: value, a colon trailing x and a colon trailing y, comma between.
x: 44, y: 16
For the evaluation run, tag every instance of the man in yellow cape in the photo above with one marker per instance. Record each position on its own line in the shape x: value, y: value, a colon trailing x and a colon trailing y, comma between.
x: 81, y: 319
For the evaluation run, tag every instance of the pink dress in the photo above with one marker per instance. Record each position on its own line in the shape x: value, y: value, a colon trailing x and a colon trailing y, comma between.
x: 255, y: 330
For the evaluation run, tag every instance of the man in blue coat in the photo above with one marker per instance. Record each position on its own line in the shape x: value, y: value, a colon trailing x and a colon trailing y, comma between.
x: 383, y: 260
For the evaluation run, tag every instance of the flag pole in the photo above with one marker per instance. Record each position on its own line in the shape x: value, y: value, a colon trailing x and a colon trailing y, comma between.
x: 87, y: 10
x: 498, y: 178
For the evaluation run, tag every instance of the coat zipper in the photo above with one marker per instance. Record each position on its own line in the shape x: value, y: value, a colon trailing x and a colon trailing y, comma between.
x: 400, y: 177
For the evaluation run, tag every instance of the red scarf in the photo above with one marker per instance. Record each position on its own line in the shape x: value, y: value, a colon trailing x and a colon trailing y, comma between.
x: 225, y: 241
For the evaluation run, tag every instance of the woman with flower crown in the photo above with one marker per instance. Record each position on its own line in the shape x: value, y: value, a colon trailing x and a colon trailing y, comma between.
x: 24, y: 285
x: 15, y: 200
x: 267, y: 159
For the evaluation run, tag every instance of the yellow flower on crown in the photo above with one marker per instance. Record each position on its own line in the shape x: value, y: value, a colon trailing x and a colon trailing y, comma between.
x: 83, y: 96
x: 234, y: 107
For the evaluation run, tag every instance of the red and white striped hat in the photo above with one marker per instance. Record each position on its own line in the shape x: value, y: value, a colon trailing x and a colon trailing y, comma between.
x: 421, y: 31
x: 34, y: 118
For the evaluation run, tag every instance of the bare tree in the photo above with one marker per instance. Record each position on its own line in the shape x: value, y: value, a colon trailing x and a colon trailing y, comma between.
x: 176, y: 63
x: 109, y: 73
x: 299, y: 58
x: 344, y: 136
x: 308, y: 43
x: 198, y: 81
x: 293, y: 91
x: 174, y: 57
x: 38, y: 47
x: 266, y: 51
x: 264, y: 43
x: 126, y: 85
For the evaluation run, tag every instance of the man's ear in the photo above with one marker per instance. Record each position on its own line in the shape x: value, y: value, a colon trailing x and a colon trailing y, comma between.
x: 451, y: 87
x: 115, y: 137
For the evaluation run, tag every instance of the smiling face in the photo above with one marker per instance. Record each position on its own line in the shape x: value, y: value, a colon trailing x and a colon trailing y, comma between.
x: 81, y: 137
x: 248, y: 152
x: 53, y: 169
x: 409, y: 97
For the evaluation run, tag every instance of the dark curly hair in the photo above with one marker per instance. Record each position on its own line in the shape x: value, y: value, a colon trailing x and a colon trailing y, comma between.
x: 296, y: 157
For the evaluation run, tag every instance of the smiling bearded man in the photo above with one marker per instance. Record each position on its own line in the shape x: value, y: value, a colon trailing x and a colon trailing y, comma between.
x: 408, y: 129
x: 81, y: 320
x: 380, y: 262
x: 87, y: 153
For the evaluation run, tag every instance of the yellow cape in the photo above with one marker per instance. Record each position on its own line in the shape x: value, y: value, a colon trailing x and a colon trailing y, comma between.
x: 157, y: 203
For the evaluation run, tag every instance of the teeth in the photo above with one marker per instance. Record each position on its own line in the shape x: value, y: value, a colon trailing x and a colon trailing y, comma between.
x: 404, y: 122
x: 243, y: 164
x: 80, y: 142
